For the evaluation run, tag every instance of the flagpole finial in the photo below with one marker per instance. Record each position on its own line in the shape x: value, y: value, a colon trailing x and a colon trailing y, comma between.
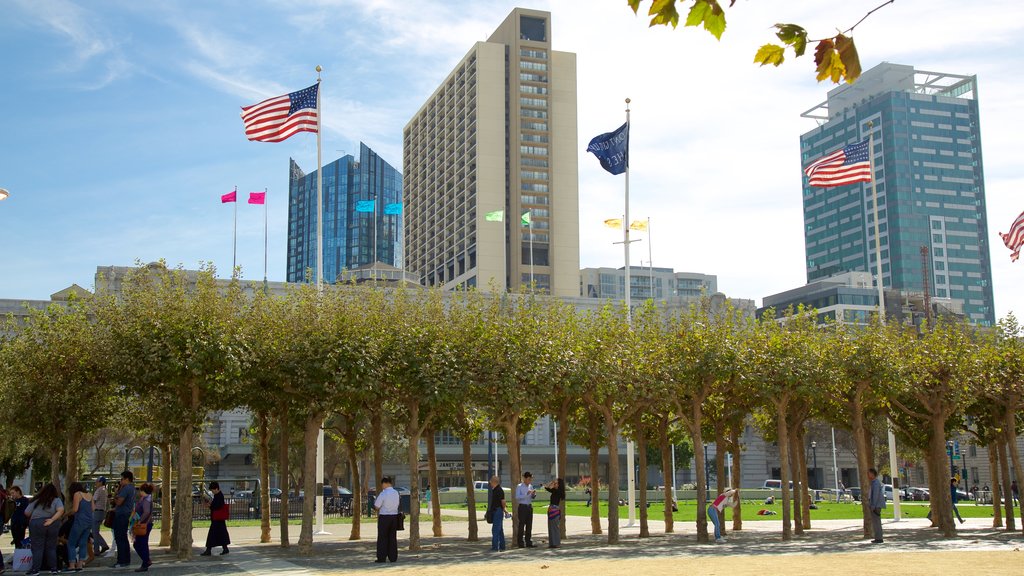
x: 318, y: 71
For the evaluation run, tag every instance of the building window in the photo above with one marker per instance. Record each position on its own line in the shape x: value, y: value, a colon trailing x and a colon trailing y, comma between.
x: 534, y: 29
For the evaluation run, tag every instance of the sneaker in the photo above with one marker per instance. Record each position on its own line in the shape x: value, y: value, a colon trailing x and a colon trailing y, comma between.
x: 32, y: 573
x: 720, y: 540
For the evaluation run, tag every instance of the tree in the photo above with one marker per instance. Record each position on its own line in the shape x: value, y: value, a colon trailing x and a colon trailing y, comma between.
x: 835, y: 57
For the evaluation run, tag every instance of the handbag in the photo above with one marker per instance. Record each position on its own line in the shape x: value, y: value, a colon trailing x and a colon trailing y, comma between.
x: 221, y: 513
x: 140, y: 529
x: 554, y: 512
x: 401, y: 520
x: 22, y: 560
x: 489, y: 516
x: 108, y: 520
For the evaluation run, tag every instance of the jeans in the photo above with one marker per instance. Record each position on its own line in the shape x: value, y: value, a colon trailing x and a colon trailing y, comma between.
x: 78, y: 543
x: 142, y: 545
x: 44, y: 541
x: 713, y: 515
x: 124, y: 553
x: 498, y: 531
x: 98, y: 542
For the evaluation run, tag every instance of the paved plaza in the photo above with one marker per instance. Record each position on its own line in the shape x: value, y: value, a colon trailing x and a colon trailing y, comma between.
x: 831, y: 547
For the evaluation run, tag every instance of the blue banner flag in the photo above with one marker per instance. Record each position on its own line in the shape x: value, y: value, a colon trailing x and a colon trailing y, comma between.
x: 612, y: 149
x: 392, y: 209
x: 365, y: 206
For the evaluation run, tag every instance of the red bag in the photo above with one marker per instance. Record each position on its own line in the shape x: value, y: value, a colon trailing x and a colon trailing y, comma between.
x: 221, y: 513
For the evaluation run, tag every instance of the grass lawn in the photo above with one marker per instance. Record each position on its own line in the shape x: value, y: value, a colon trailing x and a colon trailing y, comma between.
x: 826, y: 511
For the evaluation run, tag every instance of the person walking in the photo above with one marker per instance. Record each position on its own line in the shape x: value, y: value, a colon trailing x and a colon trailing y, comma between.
x: 43, y: 513
x: 143, y: 517
x: 386, y: 505
x: 524, y: 496
x: 954, y: 497
x: 498, y: 512
x: 19, y: 522
x: 557, y: 489
x: 725, y: 499
x: 218, y: 534
x: 81, y: 525
x: 876, y: 501
x: 99, y: 513
x: 124, y: 504
x: 1014, y: 491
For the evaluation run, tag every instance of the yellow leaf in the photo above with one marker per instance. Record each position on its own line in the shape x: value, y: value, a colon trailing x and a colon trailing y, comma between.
x: 770, y: 54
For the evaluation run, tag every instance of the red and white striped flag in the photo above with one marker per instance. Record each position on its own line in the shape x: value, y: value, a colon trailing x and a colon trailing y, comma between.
x: 278, y: 118
x: 1014, y: 239
x: 844, y: 166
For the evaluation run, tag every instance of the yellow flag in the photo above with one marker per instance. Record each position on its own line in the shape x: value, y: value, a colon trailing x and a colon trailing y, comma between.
x: 613, y: 223
x: 640, y: 225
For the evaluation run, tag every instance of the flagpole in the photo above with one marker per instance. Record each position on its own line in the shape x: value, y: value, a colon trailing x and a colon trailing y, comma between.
x: 234, y: 238
x: 319, y: 286
x: 373, y: 265
x: 630, y: 473
x: 529, y: 230
x: 893, y: 469
x: 650, y: 255
x: 265, y: 243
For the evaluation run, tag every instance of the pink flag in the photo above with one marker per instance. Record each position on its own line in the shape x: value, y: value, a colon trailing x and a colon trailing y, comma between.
x: 257, y: 197
x: 229, y: 197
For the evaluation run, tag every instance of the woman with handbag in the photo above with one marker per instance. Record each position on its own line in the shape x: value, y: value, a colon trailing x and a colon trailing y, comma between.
x: 81, y: 526
x: 557, y: 489
x: 218, y: 534
x: 43, y: 514
x: 143, y: 526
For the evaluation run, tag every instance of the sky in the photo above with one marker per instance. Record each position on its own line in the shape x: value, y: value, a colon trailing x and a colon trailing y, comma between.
x: 120, y: 128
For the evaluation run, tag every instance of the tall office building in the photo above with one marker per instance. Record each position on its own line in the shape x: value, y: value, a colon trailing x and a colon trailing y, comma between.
x: 498, y: 134
x: 352, y: 238
x: 931, y: 187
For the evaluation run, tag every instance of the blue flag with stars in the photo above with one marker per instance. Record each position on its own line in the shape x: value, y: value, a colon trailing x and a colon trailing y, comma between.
x: 612, y: 149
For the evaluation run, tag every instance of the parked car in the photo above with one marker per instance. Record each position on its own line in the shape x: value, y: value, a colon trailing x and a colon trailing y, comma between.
x: 916, y: 494
x: 775, y: 484
x: 481, y: 485
x: 854, y: 491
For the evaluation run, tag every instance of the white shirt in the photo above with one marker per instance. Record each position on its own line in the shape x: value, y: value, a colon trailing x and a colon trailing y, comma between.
x: 387, y: 502
x: 523, y: 495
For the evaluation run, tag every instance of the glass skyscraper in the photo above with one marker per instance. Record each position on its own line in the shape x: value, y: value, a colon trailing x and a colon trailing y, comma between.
x: 931, y: 187
x: 351, y: 238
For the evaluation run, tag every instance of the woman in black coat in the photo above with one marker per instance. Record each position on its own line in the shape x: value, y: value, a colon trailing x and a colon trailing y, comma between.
x: 218, y: 535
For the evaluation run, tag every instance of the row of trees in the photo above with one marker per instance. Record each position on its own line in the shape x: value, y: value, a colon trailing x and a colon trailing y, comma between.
x: 367, y: 363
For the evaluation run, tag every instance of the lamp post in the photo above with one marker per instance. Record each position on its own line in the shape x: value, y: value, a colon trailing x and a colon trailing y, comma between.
x: 952, y: 466
x: 707, y: 482
x: 814, y: 451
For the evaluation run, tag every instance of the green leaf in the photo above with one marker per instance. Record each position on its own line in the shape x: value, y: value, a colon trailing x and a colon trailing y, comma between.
x: 770, y: 54
x: 793, y: 35
x: 634, y: 4
x: 848, y: 55
x: 698, y: 13
x: 710, y: 14
x: 664, y: 12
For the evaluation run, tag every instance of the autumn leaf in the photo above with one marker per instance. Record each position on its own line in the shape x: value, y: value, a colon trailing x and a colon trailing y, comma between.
x: 850, y: 58
x: 822, y: 52
x: 664, y: 12
x: 634, y: 4
x: 832, y: 67
x: 770, y: 54
x: 793, y: 35
x: 710, y: 14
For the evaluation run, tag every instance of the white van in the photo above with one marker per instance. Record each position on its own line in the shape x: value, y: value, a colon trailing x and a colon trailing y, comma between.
x: 481, y: 485
x: 772, y: 484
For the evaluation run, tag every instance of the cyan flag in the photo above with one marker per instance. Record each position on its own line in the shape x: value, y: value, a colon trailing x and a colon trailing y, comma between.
x: 392, y: 209
x: 365, y: 206
x: 612, y: 149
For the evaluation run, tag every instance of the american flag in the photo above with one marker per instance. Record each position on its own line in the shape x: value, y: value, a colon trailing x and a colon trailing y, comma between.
x: 841, y: 167
x: 1014, y: 239
x: 278, y: 118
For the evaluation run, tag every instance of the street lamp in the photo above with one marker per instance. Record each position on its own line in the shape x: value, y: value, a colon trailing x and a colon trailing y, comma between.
x: 952, y: 466
x: 707, y: 482
x: 814, y: 451
x: 4, y: 193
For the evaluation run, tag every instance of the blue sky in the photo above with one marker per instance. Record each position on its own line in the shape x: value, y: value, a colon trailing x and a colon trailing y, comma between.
x: 119, y: 126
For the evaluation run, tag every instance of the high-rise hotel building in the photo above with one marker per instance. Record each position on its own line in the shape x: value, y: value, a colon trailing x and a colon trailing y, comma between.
x: 931, y: 187
x: 498, y: 134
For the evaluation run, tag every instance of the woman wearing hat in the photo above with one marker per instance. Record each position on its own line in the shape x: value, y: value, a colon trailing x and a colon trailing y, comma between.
x: 99, y: 512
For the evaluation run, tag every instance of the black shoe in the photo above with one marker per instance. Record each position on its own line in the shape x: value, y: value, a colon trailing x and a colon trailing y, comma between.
x: 224, y: 551
x: 207, y: 553
x: 142, y: 568
x: 530, y: 545
x: 379, y: 561
x: 876, y: 541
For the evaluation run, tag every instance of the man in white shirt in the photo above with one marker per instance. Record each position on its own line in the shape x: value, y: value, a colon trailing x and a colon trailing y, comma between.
x: 524, y: 500
x: 386, y: 505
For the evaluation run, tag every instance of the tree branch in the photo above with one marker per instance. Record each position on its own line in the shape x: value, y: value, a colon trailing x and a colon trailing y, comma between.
x: 850, y: 29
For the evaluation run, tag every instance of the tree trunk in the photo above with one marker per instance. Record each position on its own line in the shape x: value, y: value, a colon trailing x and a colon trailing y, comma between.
x: 513, y: 443
x: 357, y: 487
x: 412, y: 431
x: 71, y: 474
x: 734, y: 442
x: 938, y: 472
x: 612, y: 441
x: 311, y: 485
x: 435, y: 501
x: 1011, y: 443
x: 1004, y: 468
x: 993, y: 466
x: 55, y: 468
x: 798, y: 492
x: 166, y: 495
x: 863, y: 460
x: 183, y: 514
x: 595, y: 482
x: 666, y: 473
x: 283, y: 473
x: 702, y: 476
x: 467, y: 474
x: 563, y: 457
x: 805, y: 482
x: 377, y: 443
x: 641, y: 446
x: 263, y: 435
x: 783, y: 439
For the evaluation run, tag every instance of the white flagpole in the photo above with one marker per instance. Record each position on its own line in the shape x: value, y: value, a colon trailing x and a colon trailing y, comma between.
x: 319, y: 286
x: 529, y: 230
x: 265, y: 239
x: 234, y: 238
x: 893, y: 469
x: 631, y: 472
x: 650, y: 256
